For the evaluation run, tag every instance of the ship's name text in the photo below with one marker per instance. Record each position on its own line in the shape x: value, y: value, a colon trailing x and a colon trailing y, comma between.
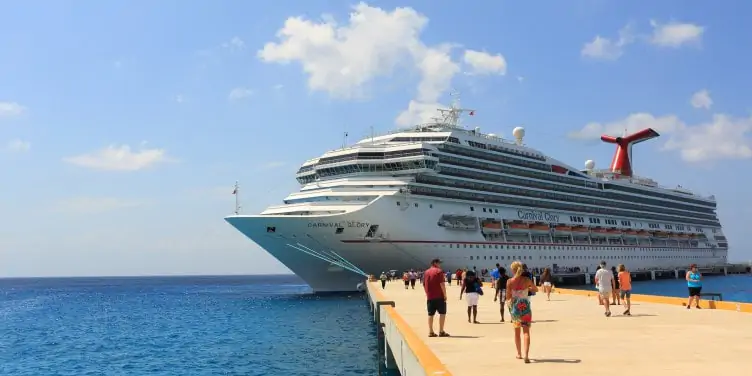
x: 348, y: 224
x: 533, y: 215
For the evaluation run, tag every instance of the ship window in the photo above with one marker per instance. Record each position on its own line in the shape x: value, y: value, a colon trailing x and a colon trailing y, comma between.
x: 484, y: 210
x: 496, y: 210
x: 416, y: 204
x: 398, y: 203
x: 472, y: 208
x: 430, y: 206
x: 271, y: 229
x: 339, y: 230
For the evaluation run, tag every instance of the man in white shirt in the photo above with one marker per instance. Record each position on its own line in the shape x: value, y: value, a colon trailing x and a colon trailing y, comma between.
x: 604, y: 279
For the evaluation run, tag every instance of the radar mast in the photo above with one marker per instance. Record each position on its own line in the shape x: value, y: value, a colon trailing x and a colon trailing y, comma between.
x: 451, y: 116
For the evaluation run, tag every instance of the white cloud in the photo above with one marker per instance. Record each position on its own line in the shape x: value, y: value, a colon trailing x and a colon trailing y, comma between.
x: 482, y: 62
x: 179, y: 98
x: 120, y: 158
x: 17, y: 146
x: 93, y: 205
x: 11, y: 109
x: 608, y: 49
x: 724, y: 137
x: 701, y: 99
x: 234, y: 44
x: 675, y: 34
x: 342, y: 59
x: 239, y: 93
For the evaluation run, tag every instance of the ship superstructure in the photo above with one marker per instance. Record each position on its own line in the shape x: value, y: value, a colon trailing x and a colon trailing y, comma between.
x: 397, y: 200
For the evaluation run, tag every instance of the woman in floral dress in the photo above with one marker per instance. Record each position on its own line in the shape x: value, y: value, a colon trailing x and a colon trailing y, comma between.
x: 518, y: 301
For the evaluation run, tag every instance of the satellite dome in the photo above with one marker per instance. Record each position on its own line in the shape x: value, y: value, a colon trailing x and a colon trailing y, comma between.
x: 518, y: 132
x: 589, y: 164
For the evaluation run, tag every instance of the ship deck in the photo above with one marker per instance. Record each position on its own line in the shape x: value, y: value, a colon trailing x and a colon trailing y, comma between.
x: 570, y: 336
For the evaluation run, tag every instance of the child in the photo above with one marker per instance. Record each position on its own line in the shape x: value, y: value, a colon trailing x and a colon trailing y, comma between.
x: 625, y: 284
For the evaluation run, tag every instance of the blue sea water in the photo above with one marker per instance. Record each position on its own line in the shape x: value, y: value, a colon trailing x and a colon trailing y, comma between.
x: 735, y: 288
x: 250, y: 325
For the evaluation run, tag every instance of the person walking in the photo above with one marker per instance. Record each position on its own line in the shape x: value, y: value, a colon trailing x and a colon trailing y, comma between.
x: 413, y: 276
x: 436, y: 297
x: 501, y: 288
x: 518, y: 292
x: 546, y: 280
x: 471, y: 287
x: 694, y: 284
x: 495, y: 274
x: 383, y: 279
x: 604, y: 279
x: 625, y: 285
x: 615, y: 298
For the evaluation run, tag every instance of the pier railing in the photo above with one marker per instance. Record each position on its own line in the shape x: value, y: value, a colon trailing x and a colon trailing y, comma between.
x: 400, y: 346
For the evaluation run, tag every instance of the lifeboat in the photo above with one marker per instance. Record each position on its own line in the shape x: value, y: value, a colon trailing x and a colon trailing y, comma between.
x: 580, y: 230
x: 642, y: 233
x: 540, y: 228
x: 599, y: 231
x: 491, y: 227
x: 613, y: 232
x: 660, y: 234
x: 562, y: 230
x: 518, y: 227
x: 630, y: 233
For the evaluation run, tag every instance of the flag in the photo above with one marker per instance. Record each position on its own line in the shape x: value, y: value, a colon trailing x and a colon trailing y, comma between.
x: 235, y: 191
x: 472, y: 113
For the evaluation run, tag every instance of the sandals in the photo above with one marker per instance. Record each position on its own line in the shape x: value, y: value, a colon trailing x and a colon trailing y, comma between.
x: 441, y: 334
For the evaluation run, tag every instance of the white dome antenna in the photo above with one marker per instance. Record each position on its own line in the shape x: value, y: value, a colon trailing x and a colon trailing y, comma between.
x: 589, y: 165
x: 519, y: 134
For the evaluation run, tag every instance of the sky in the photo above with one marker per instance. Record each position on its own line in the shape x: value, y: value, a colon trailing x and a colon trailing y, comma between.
x: 124, y: 124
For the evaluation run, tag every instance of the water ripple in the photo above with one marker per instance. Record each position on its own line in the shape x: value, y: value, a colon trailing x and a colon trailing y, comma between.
x: 181, y: 327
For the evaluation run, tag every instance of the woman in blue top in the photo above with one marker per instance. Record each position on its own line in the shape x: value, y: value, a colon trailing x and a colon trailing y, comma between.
x: 694, y: 283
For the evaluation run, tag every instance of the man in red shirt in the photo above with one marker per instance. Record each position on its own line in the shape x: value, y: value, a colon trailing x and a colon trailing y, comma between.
x: 436, y: 297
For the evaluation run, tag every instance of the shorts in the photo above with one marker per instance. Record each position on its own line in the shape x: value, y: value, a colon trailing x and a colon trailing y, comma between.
x: 547, y: 284
x: 626, y: 294
x: 502, y: 295
x: 472, y: 298
x: 695, y: 291
x: 605, y: 293
x: 436, y: 305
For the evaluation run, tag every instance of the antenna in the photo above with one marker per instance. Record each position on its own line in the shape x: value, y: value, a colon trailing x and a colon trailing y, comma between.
x: 451, y: 116
x: 372, y: 134
x: 344, y: 141
x: 236, y: 192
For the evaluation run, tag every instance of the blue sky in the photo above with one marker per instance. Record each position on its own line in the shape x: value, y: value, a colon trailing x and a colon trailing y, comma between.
x: 123, y: 125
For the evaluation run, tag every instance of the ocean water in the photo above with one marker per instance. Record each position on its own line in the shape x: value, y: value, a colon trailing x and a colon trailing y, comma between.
x: 735, y: 288
x: 254, y: 325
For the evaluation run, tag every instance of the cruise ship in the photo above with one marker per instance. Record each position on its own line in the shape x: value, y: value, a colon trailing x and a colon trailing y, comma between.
x: 398, y: 200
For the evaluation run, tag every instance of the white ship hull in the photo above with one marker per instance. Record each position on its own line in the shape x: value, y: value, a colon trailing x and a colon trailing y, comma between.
x: 409, y: 236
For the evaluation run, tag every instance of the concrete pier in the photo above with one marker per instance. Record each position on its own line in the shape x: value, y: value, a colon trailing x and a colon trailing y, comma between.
x: 570, y: 336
